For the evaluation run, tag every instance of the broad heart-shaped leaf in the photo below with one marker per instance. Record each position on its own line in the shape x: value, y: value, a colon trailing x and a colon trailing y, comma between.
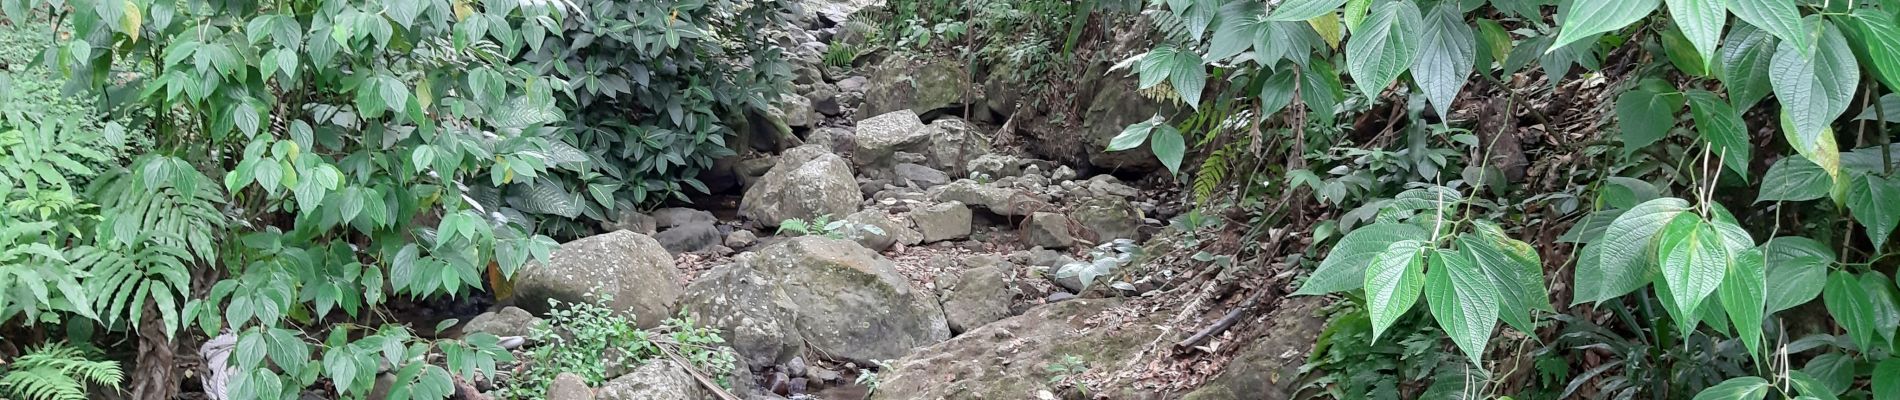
x: 1239, y: 24
x: 1742, y: 388
x: 1794, y: 179
x: 1169, y: 146
x: 1134, y: 135
x: 1747, y: 55
x: 1445, y: 57
x: 1626, y: 260
x: 1743, y: 296
x: 1320, y: 90
x: 1393, y: 282
x: 1301, y: 10
x: 1851, y: 307
x: 1820, y: 149
x: 1188, y: 75
x: 1794, y: 281
x: 1694, y: 260
x: 1345, y: 266
x: 1645, y: 115
x: 1814, y: 84
x: 1722, y: 128
x: 1879, y: 34
x: 1875, y: 202
x: 1886, y: 311
x: 1277, y: 93
x: 1777, y: 17
x: 1701, y: 23
x: 1683, y: 54
x: 1156, y: 65
x: 1520, y: 282
x: 1887, y: 379
x: 1463, y: 301
x: 1586, y: 18
x: 1383, y: 47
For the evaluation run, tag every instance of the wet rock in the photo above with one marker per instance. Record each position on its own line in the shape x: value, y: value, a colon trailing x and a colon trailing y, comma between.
x: 824, y: 99
x: 880, y: 137
x: 689, y: 238
x: 942, y: 221
x: 980, y: 296
x: 656, y: 380
x: 822, y: 185
x: 568, y: 386
x: 1107, y: 218
x: 739, y: 239
x: 1268, y: 368
x: 1008, y: 359
x: 1062, y: 173
x: 1002, y: 201
x: 632, y: 267
x: 835, y: 296
x: 509, y: 321
x: 920, y: 176
x: 838, y: 140
x: 1049, y: 230
x: 889, y: 232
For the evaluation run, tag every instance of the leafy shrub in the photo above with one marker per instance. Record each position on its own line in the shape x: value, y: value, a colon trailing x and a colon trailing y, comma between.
x: 824, y: 226
x: 653, y: 89
x: 56, y: 372
x: 588, y: 339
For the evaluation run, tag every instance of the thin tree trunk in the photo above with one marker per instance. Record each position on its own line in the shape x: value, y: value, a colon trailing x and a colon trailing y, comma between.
x: 154, y: 377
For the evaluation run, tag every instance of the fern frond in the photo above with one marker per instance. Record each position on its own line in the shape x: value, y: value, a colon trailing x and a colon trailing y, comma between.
x: 55, y: 372
x: 1213, y: 172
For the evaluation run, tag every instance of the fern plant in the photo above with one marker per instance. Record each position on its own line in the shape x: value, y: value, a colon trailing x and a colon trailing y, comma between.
x: 57, y: 372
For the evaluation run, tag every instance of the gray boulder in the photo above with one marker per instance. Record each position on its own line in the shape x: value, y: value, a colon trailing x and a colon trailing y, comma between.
x: 980, y: 296
x: 1107, y: 218
x: 795, y: 110
x: 808, y: 188
x: 889, y: 232
x: 833, y: 296
x: 920, y: 176
x: 630, y: 220
x: 880, y: 137
x: 739, y: 239
x: 680, y: 216
x: 942, y: 221
x: 996, y: 166
x: 1009, y: 359
x: 1278, y: 352
x: 509, y: 321
x: 568, y: 386
x: 1002, y: 201
x: 1049, y: 230
x: 1107, y: 185
x: 920, y: 86
x: 631, y: 267
x: 656, y: 380
x: 953, y: 142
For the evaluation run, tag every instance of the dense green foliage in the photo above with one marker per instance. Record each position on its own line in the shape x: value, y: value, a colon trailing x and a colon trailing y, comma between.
x: 56, y: 372
x: 283, y: 170
x: 588, y: 339
x: 1654, y: 217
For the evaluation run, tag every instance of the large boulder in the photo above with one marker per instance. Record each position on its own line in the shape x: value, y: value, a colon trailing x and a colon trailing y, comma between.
x: 919, y: 176
x: 832, y: 296
x: 1267, y: 368
x: 806, y: 189
x: 953, y: 142
x: 889, y: 232
x: 568, y: 386
x: 656, y: 380
x: 688, y: 238
x: 1107, y: 218
x: 926, y: 87
x: 1115, y: 107
x: 509, y: 321
x: 942, y: 221
x: 672, y: 217
x: 1002, y: 201
x: 878, y: 138
x: 1009, y: 359
x: 631, y: 267
x: 979, y: 296
x: 1049, y: 230
x: 795, y: 110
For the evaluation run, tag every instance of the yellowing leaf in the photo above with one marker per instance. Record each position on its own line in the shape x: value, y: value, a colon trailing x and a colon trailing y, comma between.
x: 1329, y: 28
x: 131, y: 21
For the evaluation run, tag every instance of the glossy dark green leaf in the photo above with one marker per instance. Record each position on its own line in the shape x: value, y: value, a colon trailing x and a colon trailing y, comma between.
x: 1169, y: 146
x: 1742, y: 388
x: 1321, y: 90
x: 1701, y: 23
x: 1694, y: 260
x: 1886, y: 379
x: 1518, y: 278
x: 1747, y: 55
x: 1777, y: 17
x: 1851, y: 307
x: 1880, y: 35
x: 1645, y: 116
x: 1886, y: 311
x: 1875, y: 202
x: 1301, y: 10
x: 1794, y: 281
x: 1744, y: 296
x: 1625, y: 264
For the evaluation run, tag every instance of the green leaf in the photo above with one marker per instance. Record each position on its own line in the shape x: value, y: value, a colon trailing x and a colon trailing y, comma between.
x: 1809, y: 387
x: 1820, y: 149
x: 1881, y: 36
x: 1777, y: 17
x: 1886, y: 312
x: 1393, y: 282
x: 1794, y: 179
x: 1345, y: 266
x: 1518, y: 278
x: 1169, y: 146
x: 1701, y: 22
x: 1743, y: 295
x: 1742, y: 388
x: 1645, y: 115
x: 1694, y: 261
x: 1239, y: 25
x: 1875, y: 202
x: 1188, y: 75
x: 1383, y: 47
x: 1814, y: 85
x: 1747, y: 56
x: 1321, y: 90
x: 1277, y: 93
x: 1355, y: 14
x: 1722, y: 128
x: 1445, y: 57
x: 1795, y: 281
x: 1683, y: 54
x: 423, y: 156
x: 1463, y: 301
x: 1134, y: 135
x: 1625, y: 264
x: 1851, y: 307
x: 1586, y: 18
x: 1887, y: 379
x: 1301, y: 10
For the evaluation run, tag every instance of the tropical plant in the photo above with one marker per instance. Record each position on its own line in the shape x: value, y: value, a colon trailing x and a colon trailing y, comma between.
x: 1655, y: 218
x: 823, y: 225
x: 57, y: 371
x: 587, y: 339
